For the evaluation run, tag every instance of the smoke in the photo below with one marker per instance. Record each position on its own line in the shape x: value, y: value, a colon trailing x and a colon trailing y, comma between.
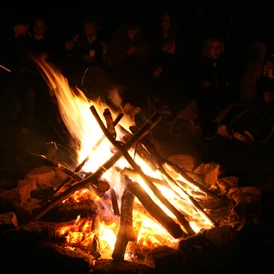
x: 115, y: 98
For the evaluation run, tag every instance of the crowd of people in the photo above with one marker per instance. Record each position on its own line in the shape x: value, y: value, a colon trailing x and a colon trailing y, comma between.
x: 194, y: 81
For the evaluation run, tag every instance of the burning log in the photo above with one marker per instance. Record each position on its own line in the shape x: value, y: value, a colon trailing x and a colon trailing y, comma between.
x: 99, y: 185
x: 154, y: 210
x: 193, y: 201
x: 114, y: 202
x: 56, y: 259
x: 70, y: 211
x: 109, y: 123
x: 138, y: 169
x: 59, y: 225
x: 95, y: 249
x: 126, y: 232
x: 145, y: 129
x: 130, y: 172
x: 80, y: 166
x: 115, y: 122
x: 160, y: 160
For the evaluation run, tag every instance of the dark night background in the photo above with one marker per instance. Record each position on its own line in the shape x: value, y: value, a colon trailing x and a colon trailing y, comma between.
x: 249, y: 21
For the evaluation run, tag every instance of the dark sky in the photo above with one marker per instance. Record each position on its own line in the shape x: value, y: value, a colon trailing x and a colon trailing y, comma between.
x: 247, y: 18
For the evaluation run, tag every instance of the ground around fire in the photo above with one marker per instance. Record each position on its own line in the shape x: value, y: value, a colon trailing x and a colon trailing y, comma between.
x: 253, y: 164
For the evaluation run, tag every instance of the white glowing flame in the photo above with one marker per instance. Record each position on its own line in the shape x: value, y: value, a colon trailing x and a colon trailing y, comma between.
x: 75, y: 111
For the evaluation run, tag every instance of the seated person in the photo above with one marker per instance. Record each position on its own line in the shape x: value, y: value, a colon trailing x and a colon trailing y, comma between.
x: 212, y: 85
x: 256, y: 122
x: 87, y: 49
x: 40, y: 45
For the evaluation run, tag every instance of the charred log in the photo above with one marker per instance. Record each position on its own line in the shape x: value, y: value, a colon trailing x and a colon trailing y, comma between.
x: 145, y: 129
x: 154, y: 210
x: 114, y: 202
x: 138, y: 169
x: 69, y: 211
x: 126, y: 232
x: 115, y: 122
x: 160, y: 160
x: 95, y: 248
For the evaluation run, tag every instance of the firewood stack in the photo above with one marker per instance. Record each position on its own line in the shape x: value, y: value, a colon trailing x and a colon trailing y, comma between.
x: 42, y: 202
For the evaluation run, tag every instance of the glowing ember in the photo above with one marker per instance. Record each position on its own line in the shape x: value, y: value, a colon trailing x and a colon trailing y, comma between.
x: 85, y: 132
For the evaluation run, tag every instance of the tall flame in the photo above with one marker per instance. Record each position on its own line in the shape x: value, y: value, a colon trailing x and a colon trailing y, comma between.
x: 74, y: 108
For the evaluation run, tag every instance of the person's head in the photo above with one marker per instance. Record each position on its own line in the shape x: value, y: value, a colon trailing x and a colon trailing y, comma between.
x: 20, y: 27
x: 131, y: 26
x: 91, y: 26
x: 39, y: 28
x: 213, y: 48
x: 166, y: 22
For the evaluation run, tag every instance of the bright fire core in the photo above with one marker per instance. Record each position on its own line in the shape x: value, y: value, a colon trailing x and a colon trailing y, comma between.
x: 75, y: 112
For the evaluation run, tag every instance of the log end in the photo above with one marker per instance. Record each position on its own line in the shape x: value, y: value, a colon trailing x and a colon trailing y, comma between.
x: 103, y: 186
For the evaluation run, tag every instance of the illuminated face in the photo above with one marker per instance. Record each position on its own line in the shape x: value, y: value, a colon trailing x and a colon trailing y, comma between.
x: 215, y: 49
x: 166, y: 23
x: 39, y: 28
x: 90, y: 29
x: 131, y: 32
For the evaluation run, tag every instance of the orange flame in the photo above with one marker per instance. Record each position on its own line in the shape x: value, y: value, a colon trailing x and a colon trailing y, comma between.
x: 85, y: 131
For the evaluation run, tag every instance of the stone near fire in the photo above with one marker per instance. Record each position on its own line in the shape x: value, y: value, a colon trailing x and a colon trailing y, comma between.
x: 248, y: 202
x: 211, y: 171
x: 21, y: 244
x: 230, y: 193
x: 52, y: 258
x: 164, y: 259
x: 235, y: 218
x: 10, y: 201
x: 42, y: 192
x: 25, y: 187
x: 59, y: 174
x: 221, y: 236
x: 8, y: 221
x: 247, y: 193
x: 231, y: 181
x: 41, y: 175
x: 107, y: 266
x: 197, y: 241
x: 186, y: 162
x: 226, y: 183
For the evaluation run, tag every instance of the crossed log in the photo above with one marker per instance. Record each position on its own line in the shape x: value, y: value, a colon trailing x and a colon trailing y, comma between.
x: 93, y: 178
x: 132, y: 190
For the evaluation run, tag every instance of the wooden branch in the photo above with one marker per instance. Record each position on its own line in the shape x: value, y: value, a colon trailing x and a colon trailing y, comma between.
x: 138, y: 169
x: 80, y: 166
x: 59, y: 225
x: 126, y: 232
x: 145, y: 129
x: 109, y: 122
x: 155, y: 211
x: 115, y: 122
x: 114, y: 202
x: 130, y: 172
x: 160, y: 160
x: 191, y: 200
x: 100, y: 186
